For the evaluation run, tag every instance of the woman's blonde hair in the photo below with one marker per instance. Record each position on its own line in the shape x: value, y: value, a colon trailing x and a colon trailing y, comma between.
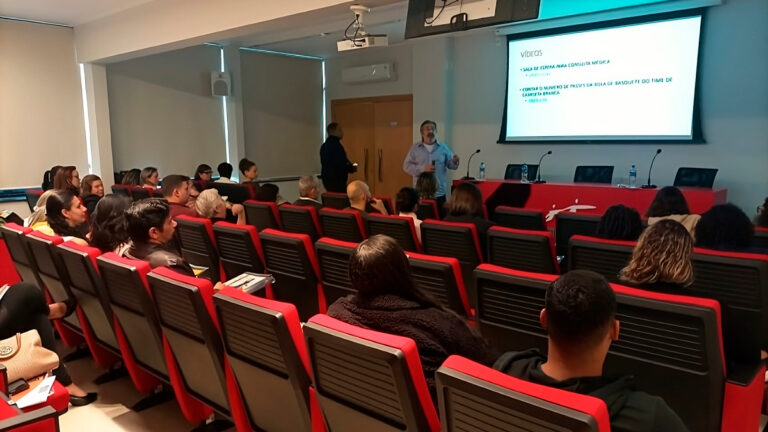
x: 662, y: 254
x: 206, y: 203
x: 38, y: 212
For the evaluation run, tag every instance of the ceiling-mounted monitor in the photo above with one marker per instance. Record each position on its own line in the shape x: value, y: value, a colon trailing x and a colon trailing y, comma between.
x: 429, y: 17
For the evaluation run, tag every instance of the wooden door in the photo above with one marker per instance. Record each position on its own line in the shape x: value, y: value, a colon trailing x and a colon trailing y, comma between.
x: 377, y: 135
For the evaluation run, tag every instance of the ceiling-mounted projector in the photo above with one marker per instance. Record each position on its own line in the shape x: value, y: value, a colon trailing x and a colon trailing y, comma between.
x: 355, y: 36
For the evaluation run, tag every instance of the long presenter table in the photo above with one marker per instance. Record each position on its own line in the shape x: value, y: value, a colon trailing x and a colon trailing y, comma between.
x: 590, y: 198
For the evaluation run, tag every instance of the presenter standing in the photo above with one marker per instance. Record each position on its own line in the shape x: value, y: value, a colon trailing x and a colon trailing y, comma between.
x: 335, y: 167
x: 430, y: 155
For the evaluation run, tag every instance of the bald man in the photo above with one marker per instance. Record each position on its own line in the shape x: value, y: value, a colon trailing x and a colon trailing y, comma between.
x: 360, y: 199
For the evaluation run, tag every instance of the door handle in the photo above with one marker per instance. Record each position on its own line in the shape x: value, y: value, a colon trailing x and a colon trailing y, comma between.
x: 381, y: 156
x: 365, y: 164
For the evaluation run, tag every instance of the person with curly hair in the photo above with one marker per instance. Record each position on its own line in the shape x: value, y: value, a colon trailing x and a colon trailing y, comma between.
x: 661, y: 260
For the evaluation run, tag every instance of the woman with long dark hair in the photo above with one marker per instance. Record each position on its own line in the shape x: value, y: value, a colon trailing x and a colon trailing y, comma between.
x: 108, y: 231
x: 67, y: 216
x: 67, y: 179
x: 670, y: 203
x: 466, y: 205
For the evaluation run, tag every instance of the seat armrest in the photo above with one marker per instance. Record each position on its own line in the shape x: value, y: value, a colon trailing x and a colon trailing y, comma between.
x: 743, y: 398
x: 45, y: 414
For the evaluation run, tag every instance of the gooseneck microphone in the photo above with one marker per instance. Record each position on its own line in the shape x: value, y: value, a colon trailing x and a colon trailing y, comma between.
x: 467, y: 177
x: 649, y: 185
x: 538, y: 175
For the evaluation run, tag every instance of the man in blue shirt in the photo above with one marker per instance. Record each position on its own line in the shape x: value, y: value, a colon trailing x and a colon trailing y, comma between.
x: 429, y: 155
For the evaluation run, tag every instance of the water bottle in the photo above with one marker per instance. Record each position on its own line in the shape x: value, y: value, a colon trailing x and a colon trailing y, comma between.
x: 524, y: 173
x: 633, y: 177
x: 481, y: 175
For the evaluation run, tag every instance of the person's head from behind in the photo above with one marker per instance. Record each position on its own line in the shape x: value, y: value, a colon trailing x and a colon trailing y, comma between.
x: 724, y: 227
x: 428, y: 131
x: 48, y: 177
x: 176, y: 189
x: 308, y: 187
x: 378, y: 266
x: 668, y: 201
x: 466, y: 200
x: 203, y: 172
x: 268, y: 192
x: 620, y: 223
x: 359, y: 194
x: 407, y: 200
x: 248, y: 170
x: 132, y: 177
x: 209, y: 204
x: 426, y: 184
x: 150, y: 177
x: 662, y: 254
x: 108, y: 230
x: 334, y: 129
x: 67, y: 178
x: 91, y: 185
x: 38, y: 212
x: 225, y: 169
x: 580, y: 315
x: 149, y: 221
x: 66, y: 214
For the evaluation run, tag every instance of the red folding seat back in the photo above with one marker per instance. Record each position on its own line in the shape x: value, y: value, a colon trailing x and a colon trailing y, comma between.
x: 239, y: 248
x: 526, y: 250
x: 345, y: 225
x: 441, y: 277
x: 262, y: 214
x: 428, y: 209
x: 335, y: 200
x: 301, y: 219
x: 198, y: 245
x: 518, y: 218
x: 603, y: 256
x: 333, y: 259
x: 400, y: 228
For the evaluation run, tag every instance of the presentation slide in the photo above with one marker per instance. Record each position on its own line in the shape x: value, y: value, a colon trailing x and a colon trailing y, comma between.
x: 635, y: 82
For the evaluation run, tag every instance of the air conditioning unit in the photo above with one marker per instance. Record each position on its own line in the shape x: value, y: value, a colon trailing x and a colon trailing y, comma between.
x: 368, y: 74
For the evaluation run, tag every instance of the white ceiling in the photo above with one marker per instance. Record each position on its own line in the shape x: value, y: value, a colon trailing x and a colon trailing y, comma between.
x: 66, y: 12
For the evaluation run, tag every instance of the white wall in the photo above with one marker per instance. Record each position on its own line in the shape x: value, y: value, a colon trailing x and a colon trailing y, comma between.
x: 734, y: 107
x: 400, y: 55
x: 41, y: 112
x: 162, y: 113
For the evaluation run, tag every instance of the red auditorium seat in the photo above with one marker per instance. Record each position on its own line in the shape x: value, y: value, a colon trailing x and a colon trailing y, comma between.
x: 367, y: 380
x: 140, y: 192
x: 400, y: 228
x: 476, y: 398
x: 518, y: 218
x: 198, y: 245
x: 441, y: 277
x: 12, y: 419
x: 191, y: 339
x: 262, y: 214
x: 264, y: 344
x: 291, y: 259
x: 121, y: 189
x: 301, y: 219
x: 454, y: 239
x: 335, y: 200
x: 333, y: 258
x: 760, y: 239
x: 58, y: 398
x: 570, y: 224
x: 525, y: 250
x: 235, y: 193
x: 139, y: 334
x: 603, y: 256
x: 13, y: 235
x: 346, y: 225
x: 239, y: 248
x: 428, y: 209
x: 387, y: 201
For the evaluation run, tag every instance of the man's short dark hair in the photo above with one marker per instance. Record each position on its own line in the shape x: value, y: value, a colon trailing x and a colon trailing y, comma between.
x: 580, y: 306
x: 332, y: 127
x: 225, y: 169
x: 426, y: 122
x: 144, y: 215
x: 406, y: 200
x: 173, y: 182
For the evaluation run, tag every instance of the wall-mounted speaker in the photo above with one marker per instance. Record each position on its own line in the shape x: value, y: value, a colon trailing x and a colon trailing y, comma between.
x: 220, y: 84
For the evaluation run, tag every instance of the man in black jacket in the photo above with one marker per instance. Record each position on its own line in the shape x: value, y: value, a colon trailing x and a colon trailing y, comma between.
x: 579, y: 316
x: 333, y: 159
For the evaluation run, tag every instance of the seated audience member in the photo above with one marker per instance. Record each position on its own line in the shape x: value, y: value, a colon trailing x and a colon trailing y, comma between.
x: 67, y: 179
x: 150, y: 178
x: 38, y: 220
x: 225, y: 172
x: 48, y: 177
x: 466, y: 205
x: 388, y: 301
x: 210, y: 205
x: 761, y: 219
x: 203, y: 172
x: 426, y: 184
x: 308, y: 192
x: 91, y: 191
x: 725, y: 227
x: 670, y: 203
x: 269, y: 192
x: 360, y: 199
x: 132, y: 177
x: 248, y: 171
x: 176, y: 192
x: 661, y: 260
x: 107, y: 222
x: 23, y: 307
x: 67, y: 216
x: 620, y: 223
x: 580, y: 318
x: 406, y: 203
